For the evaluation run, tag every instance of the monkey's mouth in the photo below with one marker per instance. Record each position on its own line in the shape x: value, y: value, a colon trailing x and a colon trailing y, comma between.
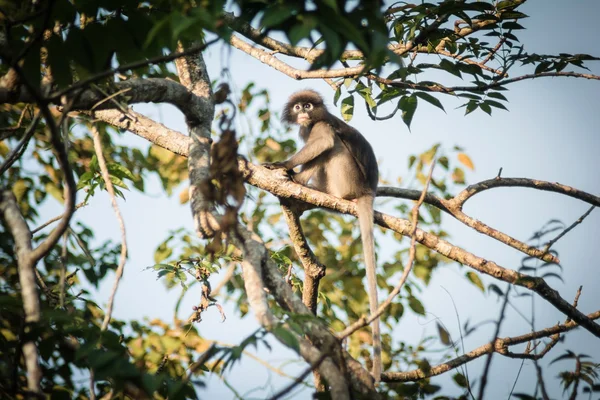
x: 303, y: 119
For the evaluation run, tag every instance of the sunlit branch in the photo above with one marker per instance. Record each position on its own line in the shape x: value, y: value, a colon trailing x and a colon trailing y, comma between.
x: 313, y: 269
x: 471, y: 190
x: 500, y: 347
x: 451, y: 207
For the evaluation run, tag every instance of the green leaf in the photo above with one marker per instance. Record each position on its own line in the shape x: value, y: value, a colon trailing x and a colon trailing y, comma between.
x: 450, y: 67
x: 408, y: 105
x: 159, y: 267
x: 411, y: 160
x: 568, y: 355
x: 443, y: 334
x: 277, y: 15
x: 460, y: 380
x: 118, y: 182
x: 486, y: 108
x: 163, y: 273
x: 336, y: 96
x: 365, y: 93
x: 542, y: 67
x: 85, y: 179
x: 58, y: 59
x: 471, y: 106
x: 416, y: 305
x: 301, y: 30
x: 512, y: 25
x: 333, y: 43
x: 431, y: 100
x: 475, y: 280
x: 496, y: 95
x: 348, y: 108
x: 120, y: 171
x: 458, y: 175
x: 496, y: 104
x: 287, y: 337
x: 32, y: 66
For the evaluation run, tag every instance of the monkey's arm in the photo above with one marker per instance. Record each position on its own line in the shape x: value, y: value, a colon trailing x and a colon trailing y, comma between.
x: 320, y: 140
x: 304, y: 176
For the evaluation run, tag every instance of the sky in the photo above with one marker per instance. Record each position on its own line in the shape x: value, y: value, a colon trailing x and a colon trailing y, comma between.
x: 550, y: 133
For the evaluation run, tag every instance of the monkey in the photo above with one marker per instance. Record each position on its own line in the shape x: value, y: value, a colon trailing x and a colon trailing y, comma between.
x: 338, y: 160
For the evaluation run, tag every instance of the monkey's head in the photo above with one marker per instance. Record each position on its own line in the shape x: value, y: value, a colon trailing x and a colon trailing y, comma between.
x: 304, y: 108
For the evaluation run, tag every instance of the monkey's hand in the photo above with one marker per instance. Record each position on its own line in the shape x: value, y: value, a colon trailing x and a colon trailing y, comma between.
x: 275, y: 165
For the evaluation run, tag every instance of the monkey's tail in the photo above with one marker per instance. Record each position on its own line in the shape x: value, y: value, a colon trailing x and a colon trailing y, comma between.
x: 365, y: 221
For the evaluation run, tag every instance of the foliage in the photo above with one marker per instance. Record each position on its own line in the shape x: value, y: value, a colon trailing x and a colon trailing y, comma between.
x: 62, y: 48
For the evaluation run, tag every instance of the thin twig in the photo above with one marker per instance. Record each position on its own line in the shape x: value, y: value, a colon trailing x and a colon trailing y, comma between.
x: 9, y: 130
x: 563, y: 233
x: 57, y: 218
x: 113, y: 200
x: 300, y: 378
x: 19, y: 149
x: 577, y: 376
x: 488, y: 361
x: 92, y: 385
x: 63, y: 270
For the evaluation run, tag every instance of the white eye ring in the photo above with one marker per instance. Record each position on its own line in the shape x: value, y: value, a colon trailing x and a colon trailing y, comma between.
x: 308, y: 106
x: 297, y: 107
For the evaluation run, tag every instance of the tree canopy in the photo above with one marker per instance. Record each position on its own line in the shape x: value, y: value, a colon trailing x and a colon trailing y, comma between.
x: 71, y: 72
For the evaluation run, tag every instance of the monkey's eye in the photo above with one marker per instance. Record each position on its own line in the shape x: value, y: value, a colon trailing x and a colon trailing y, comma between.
x: 308, y: 106
x: 297, y: 107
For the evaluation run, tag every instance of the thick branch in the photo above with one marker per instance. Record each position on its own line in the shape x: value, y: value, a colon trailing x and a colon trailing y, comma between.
x: 268, y: 180
x: 146, y: 128
x: 16, y: 225
x: 451, y: 207
x: 256, y: 262
x: 262, y: 178
x: 150, y: 90
x: 272, y: 61
x: 311, y: 54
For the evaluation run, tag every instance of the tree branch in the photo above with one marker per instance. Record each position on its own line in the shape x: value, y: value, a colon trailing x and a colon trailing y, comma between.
x: 264, y: 179
x: 268, y: 180
x: 500, y: 347
x: 471, y: 190
x: 313, y: 269
x: 451, y: 207
x: 115, y: 206
x: 17, y: 226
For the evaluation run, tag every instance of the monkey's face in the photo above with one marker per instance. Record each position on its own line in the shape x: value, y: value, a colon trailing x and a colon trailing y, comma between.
x: 303, y: 113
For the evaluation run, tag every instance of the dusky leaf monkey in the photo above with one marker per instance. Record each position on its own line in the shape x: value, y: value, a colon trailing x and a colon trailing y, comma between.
x: 338, y: 160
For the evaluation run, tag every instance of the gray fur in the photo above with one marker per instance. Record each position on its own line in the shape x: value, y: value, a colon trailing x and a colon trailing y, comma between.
x: 338, y: 160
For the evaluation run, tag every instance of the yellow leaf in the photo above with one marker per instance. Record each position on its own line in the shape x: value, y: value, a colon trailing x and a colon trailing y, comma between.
x: 54, y: 191
x: 20, y: 189
x: 273, y: 145
x: 184, y: 195
x: 466, y: 161
x: 3, y: 149
x: 475, y: 280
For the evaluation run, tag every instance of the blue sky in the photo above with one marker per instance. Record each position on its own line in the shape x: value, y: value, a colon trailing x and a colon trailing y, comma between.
x: 550, y: 133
